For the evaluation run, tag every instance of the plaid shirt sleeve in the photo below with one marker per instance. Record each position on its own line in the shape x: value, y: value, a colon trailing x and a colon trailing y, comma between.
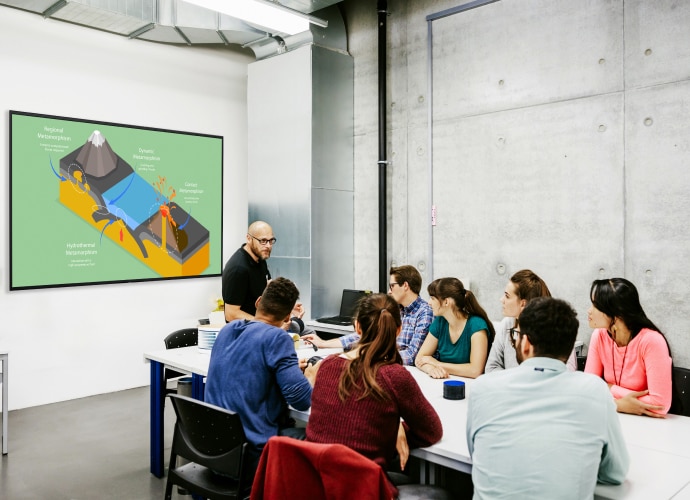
x: 414, y: 330
x: 349, y: 341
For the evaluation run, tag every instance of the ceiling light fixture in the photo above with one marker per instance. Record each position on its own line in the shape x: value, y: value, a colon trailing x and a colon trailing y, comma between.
x: 269, y: 16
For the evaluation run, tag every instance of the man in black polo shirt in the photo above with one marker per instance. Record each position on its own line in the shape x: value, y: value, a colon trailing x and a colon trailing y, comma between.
x: 246, y: 273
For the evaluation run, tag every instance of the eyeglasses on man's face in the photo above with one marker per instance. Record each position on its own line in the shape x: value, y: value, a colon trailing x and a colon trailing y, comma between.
x: 391, y: 285
x: 514, y: 336
x: 264, y: 241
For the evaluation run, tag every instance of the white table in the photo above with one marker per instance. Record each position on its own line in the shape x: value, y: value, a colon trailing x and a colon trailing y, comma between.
x: 451, y: 451
x: 190, y: 360
x: 653, y: 474
x: 670, y: 435
x: 4, y: 355
x: 659, y: 448
x: 683, y: 494
x: 328, y: 328
x: 659, y: 463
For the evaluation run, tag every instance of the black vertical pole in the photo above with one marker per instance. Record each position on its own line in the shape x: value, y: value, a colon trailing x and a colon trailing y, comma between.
x: 382, y: 8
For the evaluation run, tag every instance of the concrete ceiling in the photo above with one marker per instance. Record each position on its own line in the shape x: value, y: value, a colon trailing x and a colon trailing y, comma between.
x: 178, y: 22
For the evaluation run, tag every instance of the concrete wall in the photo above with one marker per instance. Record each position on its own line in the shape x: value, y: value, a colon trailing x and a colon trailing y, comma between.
x: 560, y: 144
x: 67, y: 343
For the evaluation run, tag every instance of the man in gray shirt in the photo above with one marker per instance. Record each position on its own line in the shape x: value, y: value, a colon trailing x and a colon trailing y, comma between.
x: 540, y: 430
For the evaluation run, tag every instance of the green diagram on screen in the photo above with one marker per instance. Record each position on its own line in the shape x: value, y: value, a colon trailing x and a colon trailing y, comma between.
x: 140, y: 216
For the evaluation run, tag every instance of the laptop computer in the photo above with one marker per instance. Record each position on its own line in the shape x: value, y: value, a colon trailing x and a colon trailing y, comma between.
x: 348, y: 304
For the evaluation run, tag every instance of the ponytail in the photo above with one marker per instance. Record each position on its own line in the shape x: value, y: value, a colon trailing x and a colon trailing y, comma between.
x: 473, y: 308
x: 378, y: 316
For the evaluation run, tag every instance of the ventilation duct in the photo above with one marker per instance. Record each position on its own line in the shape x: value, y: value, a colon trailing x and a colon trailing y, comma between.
x: 178, y: 22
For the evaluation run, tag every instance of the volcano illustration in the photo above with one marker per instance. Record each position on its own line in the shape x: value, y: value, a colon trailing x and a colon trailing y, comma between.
x: 142, y: 217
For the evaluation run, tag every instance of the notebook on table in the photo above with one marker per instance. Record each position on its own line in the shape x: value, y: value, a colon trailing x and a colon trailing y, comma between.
x: 348, y: 304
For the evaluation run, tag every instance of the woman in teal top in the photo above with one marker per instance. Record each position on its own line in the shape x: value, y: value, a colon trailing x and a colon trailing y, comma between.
x: 460, y: 335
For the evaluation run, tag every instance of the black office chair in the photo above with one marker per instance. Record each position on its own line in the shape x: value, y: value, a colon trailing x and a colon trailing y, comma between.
x: 213, y: 442
x: 681, y: 391
x: 185, y: 337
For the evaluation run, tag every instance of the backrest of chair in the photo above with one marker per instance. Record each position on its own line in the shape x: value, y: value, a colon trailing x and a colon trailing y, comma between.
x: 290, y: 468
x: 681, y: 383
x: 208, y: 435
x: 185, y: 337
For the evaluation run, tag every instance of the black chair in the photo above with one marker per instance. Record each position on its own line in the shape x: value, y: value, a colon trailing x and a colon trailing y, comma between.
x: 581, y: 362
x: 681, y: 389
x: 181, y: 338
x: 213, y: 442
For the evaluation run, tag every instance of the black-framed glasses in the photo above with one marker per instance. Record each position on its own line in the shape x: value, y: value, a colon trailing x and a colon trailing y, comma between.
x: 391, y: 285
x: 514, y: 336
x: 264, y: 241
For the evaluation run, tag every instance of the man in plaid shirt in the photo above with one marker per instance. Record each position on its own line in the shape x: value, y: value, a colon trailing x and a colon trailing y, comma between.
x: 404, y: 286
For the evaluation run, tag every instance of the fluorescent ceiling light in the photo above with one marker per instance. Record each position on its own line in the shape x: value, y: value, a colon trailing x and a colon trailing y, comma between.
x: 270, y: 16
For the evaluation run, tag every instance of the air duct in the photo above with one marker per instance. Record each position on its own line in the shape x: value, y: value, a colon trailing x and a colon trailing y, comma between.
x: 179, y: 22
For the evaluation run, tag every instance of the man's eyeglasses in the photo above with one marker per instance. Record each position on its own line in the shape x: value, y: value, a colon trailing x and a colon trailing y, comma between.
x: 264, y: 241
x: 391, y: 285
x: 514, y: 336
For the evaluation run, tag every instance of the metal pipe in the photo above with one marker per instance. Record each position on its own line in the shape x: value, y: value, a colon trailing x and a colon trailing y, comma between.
x: 382, y: 8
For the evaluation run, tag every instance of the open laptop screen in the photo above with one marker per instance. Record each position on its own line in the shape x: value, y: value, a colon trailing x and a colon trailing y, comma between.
x: 348, y: 304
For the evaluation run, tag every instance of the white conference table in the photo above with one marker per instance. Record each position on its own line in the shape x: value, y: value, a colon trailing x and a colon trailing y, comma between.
x: 190, y: 360
x: 659, y: 448
x: 328, y: 328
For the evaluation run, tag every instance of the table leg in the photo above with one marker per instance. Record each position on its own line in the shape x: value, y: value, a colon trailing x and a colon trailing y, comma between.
x: 157, y: 407
x: 198, y: 386
x: 5, y: 414
x: 197, y: 393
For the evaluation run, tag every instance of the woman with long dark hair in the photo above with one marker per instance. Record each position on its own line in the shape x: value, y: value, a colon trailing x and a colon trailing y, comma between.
x: 360, y: 396
x: 628, y: 350
x: 460, y: 335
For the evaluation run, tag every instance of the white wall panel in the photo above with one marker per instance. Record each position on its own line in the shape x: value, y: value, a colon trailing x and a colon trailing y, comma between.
x: 73, y: 342
x: 366, y: 211
x: 512, y: 54
x: 657, y: 42
x: 301, y: 169
x: 536, y: 188
x: 658, y: 213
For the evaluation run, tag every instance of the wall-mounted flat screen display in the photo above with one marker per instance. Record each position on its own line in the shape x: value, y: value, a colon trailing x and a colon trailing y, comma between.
x: 94, y: 202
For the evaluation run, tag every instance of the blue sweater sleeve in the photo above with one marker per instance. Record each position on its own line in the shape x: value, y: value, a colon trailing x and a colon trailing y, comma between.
x: 294, y: 386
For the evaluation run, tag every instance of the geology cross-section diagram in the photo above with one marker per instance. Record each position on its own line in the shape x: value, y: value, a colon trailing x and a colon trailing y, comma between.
x: 140, y: 216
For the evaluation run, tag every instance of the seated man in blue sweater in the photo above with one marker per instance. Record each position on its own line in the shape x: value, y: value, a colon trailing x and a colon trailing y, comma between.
x: 254, y: 370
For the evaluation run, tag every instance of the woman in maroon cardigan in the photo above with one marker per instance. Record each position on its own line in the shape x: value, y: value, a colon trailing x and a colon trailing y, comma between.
x: 360, y: 397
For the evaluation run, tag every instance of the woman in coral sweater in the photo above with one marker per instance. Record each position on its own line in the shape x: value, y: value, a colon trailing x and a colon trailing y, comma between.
x: 360, y: 397
x: 628, y: 350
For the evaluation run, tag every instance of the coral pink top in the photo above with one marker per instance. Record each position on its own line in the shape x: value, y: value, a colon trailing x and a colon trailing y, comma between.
x: 644, y: 364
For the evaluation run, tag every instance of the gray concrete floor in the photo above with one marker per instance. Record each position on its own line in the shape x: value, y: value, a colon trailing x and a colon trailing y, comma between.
x: 84, y: 449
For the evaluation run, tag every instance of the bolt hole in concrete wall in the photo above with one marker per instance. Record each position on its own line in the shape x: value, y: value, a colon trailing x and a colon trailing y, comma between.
x: 574, y: 165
